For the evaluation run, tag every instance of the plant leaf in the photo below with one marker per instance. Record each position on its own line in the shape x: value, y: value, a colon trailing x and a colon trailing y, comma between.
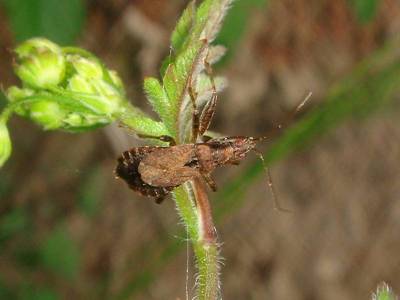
x: 188, y: 61
x: 182, y: 29
x: 384, y: 292
x: 141, y: 124
x: 159, y: 100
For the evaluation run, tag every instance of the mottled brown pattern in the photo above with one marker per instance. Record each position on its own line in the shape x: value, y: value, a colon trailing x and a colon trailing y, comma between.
x: 127, y: 169
x: 156, y: 171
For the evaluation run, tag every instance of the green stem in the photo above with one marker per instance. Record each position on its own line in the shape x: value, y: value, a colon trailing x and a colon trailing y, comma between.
x: 201, y: 231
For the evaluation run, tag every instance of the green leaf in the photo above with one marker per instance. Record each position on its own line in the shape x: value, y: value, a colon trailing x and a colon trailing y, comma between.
x: 209, y: 18
x: 170, y: 85
x: 384, y: 292
x: 185, y: 65
x: 160, y: 102
x: 183, y: 68
x: 177, y: 76
x: 141, y: 124
x: 182, y: 29
x: 204, y: 87
x: 146, y: 126
x: 60, y: 253
x: 58, y: 20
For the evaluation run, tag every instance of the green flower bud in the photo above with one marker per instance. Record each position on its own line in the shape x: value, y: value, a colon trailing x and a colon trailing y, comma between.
x: 31, y: 45
x: 5, y: 142
x: 40, y: 63
x: 15, y: 94
x: 78, y: 122
x: 48, y: 114
x: 74, y: 120
x: 97, y: 94
x: 117, y: 82
x: 68, y: 88
x: 88, y: 68
x: 80, y: 84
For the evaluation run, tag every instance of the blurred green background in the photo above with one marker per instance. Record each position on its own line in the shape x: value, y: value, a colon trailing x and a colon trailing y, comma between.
x: 69, y: 230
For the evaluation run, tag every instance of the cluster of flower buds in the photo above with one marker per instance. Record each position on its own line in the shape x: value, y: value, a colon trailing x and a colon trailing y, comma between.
x: 64, y: 88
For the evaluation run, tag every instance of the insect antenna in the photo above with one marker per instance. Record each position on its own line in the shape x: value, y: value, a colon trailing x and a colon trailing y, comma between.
x: 277, y: 205
x: 288, y: 119
x: 297, y: 109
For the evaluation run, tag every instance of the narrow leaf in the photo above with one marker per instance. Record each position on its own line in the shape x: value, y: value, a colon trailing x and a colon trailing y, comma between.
x: 215, y: 53
x: 159, y: 100
x: 215, y: 16
x: 181, y: 32
x: 384, y: 292
x: 145, y: 126
x: 170, y: 86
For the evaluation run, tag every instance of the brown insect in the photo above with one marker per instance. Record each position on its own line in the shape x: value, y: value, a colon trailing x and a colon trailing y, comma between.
x: 155, y: 171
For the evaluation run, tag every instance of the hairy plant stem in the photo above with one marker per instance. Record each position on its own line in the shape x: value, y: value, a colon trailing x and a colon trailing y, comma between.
x: 200, y: 227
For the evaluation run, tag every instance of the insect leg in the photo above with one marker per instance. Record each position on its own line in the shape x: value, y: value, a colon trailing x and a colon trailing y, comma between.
x: 195, y: 114
x: 209, y: 109
x: 210, y: 182
x: 277, y: 205
x: 163, y: 138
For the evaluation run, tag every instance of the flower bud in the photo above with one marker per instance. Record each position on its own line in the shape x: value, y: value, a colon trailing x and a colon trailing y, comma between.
x: 98, y: 95
x: 88, y: 68
x: 117, y: 82
x: 15, y: 94
x: 77, y: 122
x: 48, y: 114
x: 40, y: 63
x: 65, y: 88
x: 5, y: 142
x: 74, y: 120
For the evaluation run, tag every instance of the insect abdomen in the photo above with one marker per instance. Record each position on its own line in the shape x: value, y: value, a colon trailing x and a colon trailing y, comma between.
x: 127, y: 169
